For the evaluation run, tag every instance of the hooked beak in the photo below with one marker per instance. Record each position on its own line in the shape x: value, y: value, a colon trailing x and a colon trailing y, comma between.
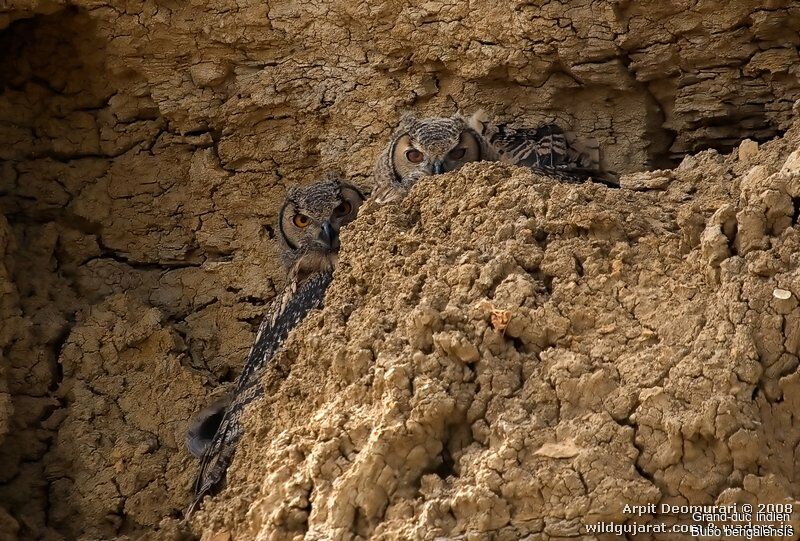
x: 329, y: 236
x: 438, y: 167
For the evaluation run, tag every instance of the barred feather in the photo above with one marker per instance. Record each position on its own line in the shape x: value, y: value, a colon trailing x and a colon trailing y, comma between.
x: 547, y: 149
x: 288, y: 310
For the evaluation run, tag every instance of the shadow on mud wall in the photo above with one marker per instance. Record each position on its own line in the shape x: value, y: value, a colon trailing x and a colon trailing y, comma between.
x: 136, y: 261
x: 101, y: 382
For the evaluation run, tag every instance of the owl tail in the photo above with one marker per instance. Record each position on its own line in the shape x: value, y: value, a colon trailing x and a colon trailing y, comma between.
x: 212, y: 477
x: 217, y: 457
x: 584, y: 154
x: 204, y: 425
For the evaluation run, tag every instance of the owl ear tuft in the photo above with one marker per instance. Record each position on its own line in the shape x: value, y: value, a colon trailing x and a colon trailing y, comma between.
x: 478, y: 121
x: 332, y: 176
x: 407, y: 119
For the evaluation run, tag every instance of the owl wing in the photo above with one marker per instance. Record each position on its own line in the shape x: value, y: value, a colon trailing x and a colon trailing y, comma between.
x: 288, y: 310
x: 547, y: 149
x: 545, y: 146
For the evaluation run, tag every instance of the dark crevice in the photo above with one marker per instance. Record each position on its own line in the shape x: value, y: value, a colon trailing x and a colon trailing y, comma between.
x: 308, y: 508
x: 218, y: 257
x: 228, y: 376
x: 541, y: 238
x: 641, y: 470
x: 255, y: 301
x: 519, y: 345
x: 254, y: 322
x: 57, y: 215
x: 579, y: 266
x: 361, y: 523
x: 142, y: 265
x: 57, y: 346
x: 195, y: 133
x: 446, y: 467
x: 546, y: 281
x: 730, y: 234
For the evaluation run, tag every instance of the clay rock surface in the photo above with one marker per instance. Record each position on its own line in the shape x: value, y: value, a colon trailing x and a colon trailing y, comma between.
x: 502, y: 356
x: 285, y: 88
x: 145, y: 148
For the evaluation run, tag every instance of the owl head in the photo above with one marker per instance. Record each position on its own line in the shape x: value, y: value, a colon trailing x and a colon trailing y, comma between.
x: 425, y: 147
x: 309, y: 223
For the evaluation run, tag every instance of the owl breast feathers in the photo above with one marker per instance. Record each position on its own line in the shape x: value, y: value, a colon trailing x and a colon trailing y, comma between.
x: 309, y: 224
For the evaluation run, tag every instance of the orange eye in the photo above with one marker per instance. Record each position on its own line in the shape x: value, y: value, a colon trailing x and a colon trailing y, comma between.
x: 301, y: 220
x: 343, y: 209
x: 413, y: 155
x: 457, y: 153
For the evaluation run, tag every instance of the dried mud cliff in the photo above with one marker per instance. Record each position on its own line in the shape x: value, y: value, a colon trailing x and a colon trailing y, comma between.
x: 651, y: 349
x: 502, y: 356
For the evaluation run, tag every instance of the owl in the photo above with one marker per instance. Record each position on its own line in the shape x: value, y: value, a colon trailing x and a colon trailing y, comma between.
x: 308, y: 225
x: 544, y: 147
x: 420, y: 148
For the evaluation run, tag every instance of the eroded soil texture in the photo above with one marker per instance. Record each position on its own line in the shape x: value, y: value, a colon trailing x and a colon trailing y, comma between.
x: 501, y: 356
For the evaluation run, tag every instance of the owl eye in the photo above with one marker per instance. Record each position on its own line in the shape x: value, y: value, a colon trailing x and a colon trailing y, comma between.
x: 301, y: 220
x: 413, y: 155
x: 343, y: 209
x: 457, y: 153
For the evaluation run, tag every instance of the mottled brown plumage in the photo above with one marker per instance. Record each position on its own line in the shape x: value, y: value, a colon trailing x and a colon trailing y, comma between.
x: 424, y: 147
x: 546, y: 149
x: 309, y: 224
x: 430, y: 146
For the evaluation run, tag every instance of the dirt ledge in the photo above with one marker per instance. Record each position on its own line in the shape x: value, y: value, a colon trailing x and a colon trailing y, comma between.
x: 651, y: 357
x: 151, y: 144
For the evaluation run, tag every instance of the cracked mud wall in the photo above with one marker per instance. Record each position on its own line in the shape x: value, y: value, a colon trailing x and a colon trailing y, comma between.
x: 129, y: 295
x: 145, y: 148
x: 649, y: 354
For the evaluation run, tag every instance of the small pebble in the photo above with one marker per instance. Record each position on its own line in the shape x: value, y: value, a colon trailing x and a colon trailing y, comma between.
x: 781, y: 294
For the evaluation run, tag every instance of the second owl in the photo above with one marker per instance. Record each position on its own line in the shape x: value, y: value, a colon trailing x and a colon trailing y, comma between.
x: 431, y: 146
x: 309, y: 224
